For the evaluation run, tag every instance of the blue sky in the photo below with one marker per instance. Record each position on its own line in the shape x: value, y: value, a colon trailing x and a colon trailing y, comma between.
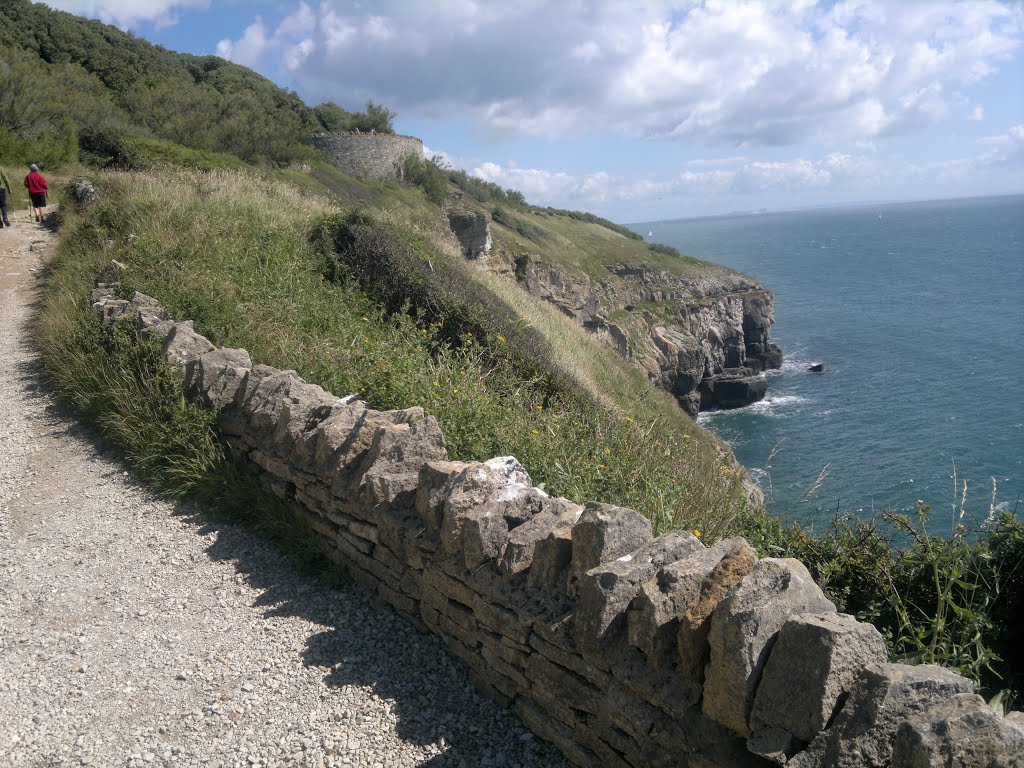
x: 652, y: 109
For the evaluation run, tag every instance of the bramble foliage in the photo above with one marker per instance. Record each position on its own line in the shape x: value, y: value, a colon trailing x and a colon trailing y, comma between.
x: 954, y: 600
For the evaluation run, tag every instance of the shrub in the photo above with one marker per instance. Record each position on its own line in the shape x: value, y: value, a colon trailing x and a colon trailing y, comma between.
x: 428, y: 175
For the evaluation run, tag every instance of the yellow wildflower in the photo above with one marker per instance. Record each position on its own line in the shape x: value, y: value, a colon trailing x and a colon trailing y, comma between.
x: 686, y: 437
x: 696, y: 532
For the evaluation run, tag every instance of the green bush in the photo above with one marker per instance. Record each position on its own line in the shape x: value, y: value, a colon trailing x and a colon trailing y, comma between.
x: 954, y: 600
x: 428, y: 175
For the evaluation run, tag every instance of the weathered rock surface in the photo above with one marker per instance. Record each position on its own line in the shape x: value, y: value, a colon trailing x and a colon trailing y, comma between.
x: 663, y: 601
x: 473, y: 231
x: 703, y: 338
x: 606, y: 591
x: 736, y: 562
x: 963, y: 732
x: 883, y: 697
x: 814, y: 661
x: 743, y: 630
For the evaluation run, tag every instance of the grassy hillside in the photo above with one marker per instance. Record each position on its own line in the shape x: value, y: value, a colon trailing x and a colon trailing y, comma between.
x: 235, y: 254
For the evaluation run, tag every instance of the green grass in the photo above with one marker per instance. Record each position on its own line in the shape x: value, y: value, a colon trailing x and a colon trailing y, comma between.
x: 232, y: 251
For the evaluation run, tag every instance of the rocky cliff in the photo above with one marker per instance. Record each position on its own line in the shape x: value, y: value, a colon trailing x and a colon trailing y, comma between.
x: 701, y: 334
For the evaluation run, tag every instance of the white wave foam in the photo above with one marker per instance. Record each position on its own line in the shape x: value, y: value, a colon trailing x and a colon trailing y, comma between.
x: 768, y: 405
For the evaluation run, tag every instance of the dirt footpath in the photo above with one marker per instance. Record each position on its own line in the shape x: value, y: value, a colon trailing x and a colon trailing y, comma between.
x: 135, y: 632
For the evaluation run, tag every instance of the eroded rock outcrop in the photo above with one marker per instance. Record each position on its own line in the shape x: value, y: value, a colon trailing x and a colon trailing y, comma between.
x: 705, y: 339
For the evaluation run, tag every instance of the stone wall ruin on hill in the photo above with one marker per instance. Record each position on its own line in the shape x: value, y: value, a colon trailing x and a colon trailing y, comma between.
x: 620, y: 648
x: 368, y: 155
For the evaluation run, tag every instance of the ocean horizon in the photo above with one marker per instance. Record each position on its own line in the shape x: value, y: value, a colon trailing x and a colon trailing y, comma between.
x: 912, y: 307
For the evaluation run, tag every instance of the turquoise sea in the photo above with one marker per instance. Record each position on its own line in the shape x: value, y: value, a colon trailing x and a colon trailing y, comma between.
x: 917, y: 309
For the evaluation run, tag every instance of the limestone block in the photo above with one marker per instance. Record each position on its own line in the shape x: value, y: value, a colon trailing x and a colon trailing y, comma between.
x: 962, y: 731
x: 695, y: 625
x: 183, y: 344
x: 157, y: 330
x: 394, y: 460
x: 654, y: 617
x: 433, y: 488
x: 882, y: 698
x: 398, y: 530
x: 604, y: 533
x: 302, y: 407
x: 500, y: 489
x: 349, y: 461
x: 328, y: 447
x: 554, y: 515
x: 606, y: 591
x: 814, y: 661
x: 743, y: 630
x: 552, y: 554
x: 214, y: 378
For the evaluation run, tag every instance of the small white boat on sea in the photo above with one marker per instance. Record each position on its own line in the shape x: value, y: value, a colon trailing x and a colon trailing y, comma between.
x: 650, y: 233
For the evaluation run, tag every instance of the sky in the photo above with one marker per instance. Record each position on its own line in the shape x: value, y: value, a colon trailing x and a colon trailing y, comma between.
x: 653, y: 109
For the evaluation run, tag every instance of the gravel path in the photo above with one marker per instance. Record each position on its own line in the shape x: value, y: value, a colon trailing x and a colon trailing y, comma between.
x: 137, y: 632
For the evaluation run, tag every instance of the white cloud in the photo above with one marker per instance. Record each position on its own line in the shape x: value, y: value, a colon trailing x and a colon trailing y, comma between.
x: 718, y: 73
x: 978, y: 113
x: 249, y: 48
x: 128, y: 13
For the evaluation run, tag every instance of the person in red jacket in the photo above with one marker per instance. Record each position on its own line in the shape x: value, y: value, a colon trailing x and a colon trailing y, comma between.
x: 36, y: 185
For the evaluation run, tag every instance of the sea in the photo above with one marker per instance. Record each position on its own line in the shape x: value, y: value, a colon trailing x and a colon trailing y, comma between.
x: 917, y: 312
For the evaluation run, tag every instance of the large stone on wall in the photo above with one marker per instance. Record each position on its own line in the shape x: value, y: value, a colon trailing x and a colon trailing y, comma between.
x: 605, y: 592
x: 604, y: 533
x: 743, y: 630
x: 655, y: 615
x: 814, y: 661
x: 433, y: 488
x: 349, y: 459
x: 496, y: 496
x: 392, y: 465
x: 323, y: 450
x: 695, y: 625
x: 554, y: 521
x: 183, y: 344
x: 213, y: 379
x: 883, y: 697
x: 962, y: 731
x: 552, y: 554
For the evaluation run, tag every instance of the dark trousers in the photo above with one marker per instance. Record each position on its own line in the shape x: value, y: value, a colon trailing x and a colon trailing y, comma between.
x: 3, y: 207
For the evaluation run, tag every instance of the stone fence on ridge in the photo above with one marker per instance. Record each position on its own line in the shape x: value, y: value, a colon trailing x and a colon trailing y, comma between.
x: 620, y: 648
x: 368, y: 155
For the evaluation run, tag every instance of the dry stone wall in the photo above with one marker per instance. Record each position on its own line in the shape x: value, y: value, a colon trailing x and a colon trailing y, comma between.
x: 368, y: 155
x: 620, y: 648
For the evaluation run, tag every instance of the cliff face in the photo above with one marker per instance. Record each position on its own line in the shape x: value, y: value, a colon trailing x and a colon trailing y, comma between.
x: 703, y: 338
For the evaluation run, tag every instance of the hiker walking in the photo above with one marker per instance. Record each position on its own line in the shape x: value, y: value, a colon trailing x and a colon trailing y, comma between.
x: 5, y: 190
x: 36, y: 186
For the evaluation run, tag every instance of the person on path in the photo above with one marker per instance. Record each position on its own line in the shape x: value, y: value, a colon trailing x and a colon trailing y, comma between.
x: 5, y: 190
x: 36, y: 185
